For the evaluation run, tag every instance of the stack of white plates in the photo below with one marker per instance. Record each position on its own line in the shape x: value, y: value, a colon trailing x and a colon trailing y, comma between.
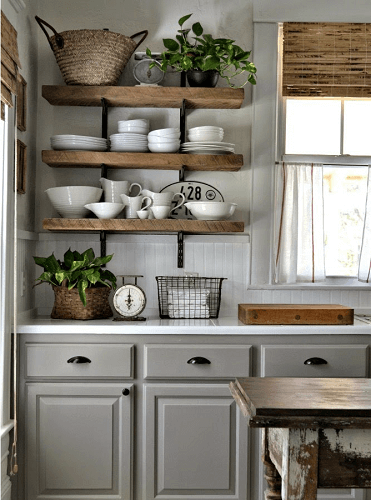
x: 207, y: 148
x: 128, y: 141
x: 78, y: 142
x: 206, y: 133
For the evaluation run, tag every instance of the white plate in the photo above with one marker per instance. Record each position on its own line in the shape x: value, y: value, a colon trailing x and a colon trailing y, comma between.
x: 134, y: 149
x: 208, y: 152
x: 76, y: 137
x: 208, y: 143
x: 81, y: 147
x: 193, y: 191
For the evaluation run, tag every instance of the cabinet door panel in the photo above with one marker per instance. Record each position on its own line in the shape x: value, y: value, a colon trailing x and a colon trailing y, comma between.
x: 342, y: 361
x: 196, y: 443
x: 82, y: 435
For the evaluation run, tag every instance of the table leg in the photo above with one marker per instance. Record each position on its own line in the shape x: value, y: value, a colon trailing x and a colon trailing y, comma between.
x: 271, y: 474
x: 299, y: 464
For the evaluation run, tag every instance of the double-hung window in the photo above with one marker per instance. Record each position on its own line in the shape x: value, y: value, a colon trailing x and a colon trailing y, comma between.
x: 325, y: 112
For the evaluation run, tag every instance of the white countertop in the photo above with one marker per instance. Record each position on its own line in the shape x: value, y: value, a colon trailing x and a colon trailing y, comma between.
x: 155, y: 325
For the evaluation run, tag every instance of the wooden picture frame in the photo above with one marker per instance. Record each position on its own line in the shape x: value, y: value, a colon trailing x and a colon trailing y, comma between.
x: 21, y: 167
x: 21, y: 103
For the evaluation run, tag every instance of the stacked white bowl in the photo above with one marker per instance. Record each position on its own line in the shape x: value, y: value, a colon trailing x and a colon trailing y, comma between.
x: 206, y: 134
x: 164, y: 140
x: 131, y: 137
x: 70, y: 201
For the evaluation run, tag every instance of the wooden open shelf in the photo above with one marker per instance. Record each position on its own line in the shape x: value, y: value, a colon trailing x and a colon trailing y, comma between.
x: 144, y: 97
x: 147, y: 225
x: 153, y: 161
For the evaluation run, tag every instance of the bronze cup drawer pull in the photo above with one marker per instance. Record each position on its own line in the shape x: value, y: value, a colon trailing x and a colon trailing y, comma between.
x: 198, y: 360
x: 315, y: 361
x: 79, y: 359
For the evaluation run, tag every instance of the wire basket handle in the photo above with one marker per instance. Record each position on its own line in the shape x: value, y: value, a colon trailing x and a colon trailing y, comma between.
x: 58, y: 38
x: 144, y: 33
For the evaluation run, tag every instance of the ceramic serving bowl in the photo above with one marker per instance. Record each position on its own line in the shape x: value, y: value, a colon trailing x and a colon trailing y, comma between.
x: 106, y: 209
x: 165, y: 132
x: 162, y: 140
x: 205, y: 137
x: 70, y: 201
x: 164, y: 147
x: 211, y: 210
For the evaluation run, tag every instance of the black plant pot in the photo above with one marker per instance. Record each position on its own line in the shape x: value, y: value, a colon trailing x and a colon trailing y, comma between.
x: 198, y: 78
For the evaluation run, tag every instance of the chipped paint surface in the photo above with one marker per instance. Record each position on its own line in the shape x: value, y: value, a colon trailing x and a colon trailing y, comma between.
x: 350, y: 441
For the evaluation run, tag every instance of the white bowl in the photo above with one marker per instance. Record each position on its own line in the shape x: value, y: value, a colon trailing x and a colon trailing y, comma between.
x: 205, y: 137
x: 206, y: 128
x: 211, y: 210
x: 137, y: 121
x: 171, y: 147
x: 70, y: 201
x: 165, y: 132
x: 106, y: 209
x: 135, y: 129
x: 163, y: 140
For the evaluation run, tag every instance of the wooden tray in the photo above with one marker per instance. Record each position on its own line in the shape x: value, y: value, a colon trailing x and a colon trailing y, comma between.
x: 295, y: 314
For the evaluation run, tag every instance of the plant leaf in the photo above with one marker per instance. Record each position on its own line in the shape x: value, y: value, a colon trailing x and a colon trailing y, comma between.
x: 183, y: 19
x: 68, y: 258
x: 49, y: 264
x: 170, y: 44
x: 100, y: 261
x: 82, y: 286
x: 197, y: 29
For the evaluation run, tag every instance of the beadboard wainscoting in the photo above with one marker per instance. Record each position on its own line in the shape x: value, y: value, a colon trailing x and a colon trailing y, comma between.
x: 156, y: 255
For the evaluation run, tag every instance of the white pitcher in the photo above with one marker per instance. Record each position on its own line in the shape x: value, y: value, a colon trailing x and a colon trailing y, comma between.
x: 135, y: 203
x: 164, y: 198
x: 113, y: 189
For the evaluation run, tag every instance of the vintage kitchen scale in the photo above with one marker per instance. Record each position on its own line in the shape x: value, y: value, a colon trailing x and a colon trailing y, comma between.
x: 129, y: 300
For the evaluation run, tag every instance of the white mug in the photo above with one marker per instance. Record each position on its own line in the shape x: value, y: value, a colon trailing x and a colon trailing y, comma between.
x: 133, y: 204
x: 113, y: 189
x: 163, y: 211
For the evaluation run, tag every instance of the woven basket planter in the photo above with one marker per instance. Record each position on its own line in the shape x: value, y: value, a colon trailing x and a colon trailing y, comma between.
x: 91, y: 57
x: 68, y: 305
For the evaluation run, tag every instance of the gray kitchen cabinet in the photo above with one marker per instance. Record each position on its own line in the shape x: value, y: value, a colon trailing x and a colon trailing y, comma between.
x: 79, y: 441
x: 318, y: 361
x: 196, y: 443
x: 196, y: 440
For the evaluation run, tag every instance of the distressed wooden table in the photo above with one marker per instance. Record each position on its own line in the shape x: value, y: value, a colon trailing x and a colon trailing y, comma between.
x: 316, y: 432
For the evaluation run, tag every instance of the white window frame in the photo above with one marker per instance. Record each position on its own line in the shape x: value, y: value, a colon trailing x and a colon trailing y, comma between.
x: 266, y: 150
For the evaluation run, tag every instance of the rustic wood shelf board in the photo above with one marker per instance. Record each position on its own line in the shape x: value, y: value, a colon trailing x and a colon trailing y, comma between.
x: 142, y: 97
x: 146, y: 225
x: 152, y: 161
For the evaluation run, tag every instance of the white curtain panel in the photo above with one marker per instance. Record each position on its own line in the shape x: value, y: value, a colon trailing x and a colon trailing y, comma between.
x: 364, y: 268
x: 298, y: 225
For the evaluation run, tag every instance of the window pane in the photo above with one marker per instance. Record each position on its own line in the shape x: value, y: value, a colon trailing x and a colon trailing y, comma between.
x: 344, y: 205
x: 357, y: 138
x: 313, y: 126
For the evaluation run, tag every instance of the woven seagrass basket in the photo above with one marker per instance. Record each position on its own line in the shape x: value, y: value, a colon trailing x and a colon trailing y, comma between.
x: 91, y: 57
x: 67, y: 303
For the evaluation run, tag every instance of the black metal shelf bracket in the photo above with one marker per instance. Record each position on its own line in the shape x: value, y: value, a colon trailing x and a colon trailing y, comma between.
x: 180, y: 249
x: 183, y: 122
x: 104, y: 118
x: 103, y: 170
x: 181, y: 174
x: 103, y: 243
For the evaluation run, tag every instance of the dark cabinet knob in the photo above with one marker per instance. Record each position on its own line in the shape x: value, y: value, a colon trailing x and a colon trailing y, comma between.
x: 198, y: 360
x: 315, y: 361
x: 126, y: 391
x: 79, y: 359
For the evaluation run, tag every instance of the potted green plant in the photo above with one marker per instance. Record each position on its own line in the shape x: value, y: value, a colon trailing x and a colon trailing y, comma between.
x: 213, y: 56
x: 81, y: 284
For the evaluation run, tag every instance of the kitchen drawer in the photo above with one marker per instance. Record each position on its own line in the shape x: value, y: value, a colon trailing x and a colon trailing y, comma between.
x: 106, y: 360
x: 300, y: 361
x: 209, y: 361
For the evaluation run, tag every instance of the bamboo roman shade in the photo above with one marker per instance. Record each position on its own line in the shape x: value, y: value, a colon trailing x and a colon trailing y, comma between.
x: 9, y: 61
x: 326, y: 59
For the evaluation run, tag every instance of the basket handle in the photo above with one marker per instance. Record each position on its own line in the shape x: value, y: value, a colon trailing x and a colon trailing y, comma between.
x: 144, y: 33
x: 58, y: 38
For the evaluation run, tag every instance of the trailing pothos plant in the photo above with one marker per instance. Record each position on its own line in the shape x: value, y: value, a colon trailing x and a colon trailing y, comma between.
x: 76, y: 270
x: 205, y: 53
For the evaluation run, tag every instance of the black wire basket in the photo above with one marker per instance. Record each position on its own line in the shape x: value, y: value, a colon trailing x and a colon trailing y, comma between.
x: 189, y: 297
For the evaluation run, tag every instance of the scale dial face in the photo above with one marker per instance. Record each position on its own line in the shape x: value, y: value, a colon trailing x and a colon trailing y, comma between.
x: 129, y: 301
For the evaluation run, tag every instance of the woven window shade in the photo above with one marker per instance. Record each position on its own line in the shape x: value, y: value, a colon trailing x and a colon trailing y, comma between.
x: 9, y: 61
x: 326, y: 59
